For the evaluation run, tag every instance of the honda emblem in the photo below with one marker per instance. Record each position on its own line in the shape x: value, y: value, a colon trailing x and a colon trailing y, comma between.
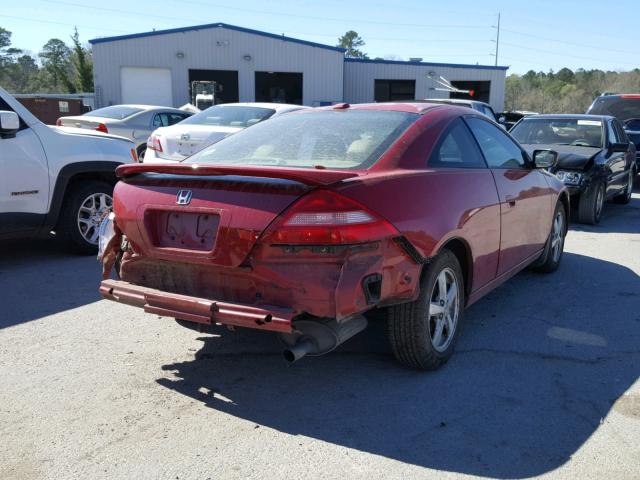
x: 185, y: 137
x: 183, y: 197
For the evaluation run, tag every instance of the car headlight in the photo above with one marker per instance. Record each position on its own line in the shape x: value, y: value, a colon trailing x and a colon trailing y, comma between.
x: 106, y: 232
x: 569, y: 178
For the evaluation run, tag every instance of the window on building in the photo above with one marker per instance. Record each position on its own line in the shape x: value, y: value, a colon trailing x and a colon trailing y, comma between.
x: 393, y: 90
x: 478, y: 90
x: 279, y: 87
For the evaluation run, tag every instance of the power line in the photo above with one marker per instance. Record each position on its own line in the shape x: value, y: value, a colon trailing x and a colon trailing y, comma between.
x: 549, y: 52
x: 88, y: 27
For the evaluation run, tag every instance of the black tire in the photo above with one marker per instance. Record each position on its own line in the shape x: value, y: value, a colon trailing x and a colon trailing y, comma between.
x: 140, y: 151
x: 552, y: 254
x: 68, y: 229
x: 410, y: 326
x: 590, y: 204
x: 625, y: 196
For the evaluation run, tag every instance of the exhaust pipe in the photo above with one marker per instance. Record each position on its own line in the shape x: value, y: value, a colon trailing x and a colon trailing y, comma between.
x: 317, y: 337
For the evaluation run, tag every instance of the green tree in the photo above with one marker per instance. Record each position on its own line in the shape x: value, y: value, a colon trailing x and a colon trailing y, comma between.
x: 83, y: 64
x: 352, y: 42
x: 56, y: 60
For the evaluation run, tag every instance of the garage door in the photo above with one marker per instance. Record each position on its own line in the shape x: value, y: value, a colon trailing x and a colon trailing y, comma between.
x: 150, y: 86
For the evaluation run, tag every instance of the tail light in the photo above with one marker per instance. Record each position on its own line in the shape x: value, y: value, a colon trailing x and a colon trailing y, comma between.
x: 153, y: 143
x: 327, y: 218
x: 59, y: 122
x: 101, y: 128
x: 134, y: 154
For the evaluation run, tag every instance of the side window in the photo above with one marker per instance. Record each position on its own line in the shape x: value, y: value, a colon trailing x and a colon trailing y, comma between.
x: 498, y: 149
x: 622, y: 135
x: 161, y: 120
x: 175, y: 118
x: 457, y: 149
x: 611, y: 132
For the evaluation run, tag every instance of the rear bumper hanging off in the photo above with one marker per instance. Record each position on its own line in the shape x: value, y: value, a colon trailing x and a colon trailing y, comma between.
x: 196, y: 309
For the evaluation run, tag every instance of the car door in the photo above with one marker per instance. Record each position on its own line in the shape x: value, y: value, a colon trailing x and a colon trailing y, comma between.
x: 524, y: 195
x: 616, y: 162
x: 24, y: 180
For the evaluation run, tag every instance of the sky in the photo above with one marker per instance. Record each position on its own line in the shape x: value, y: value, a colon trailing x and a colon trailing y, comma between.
x: 534, y: 35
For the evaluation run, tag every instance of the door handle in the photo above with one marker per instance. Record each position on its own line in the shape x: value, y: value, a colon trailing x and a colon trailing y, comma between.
x: 511, y: 201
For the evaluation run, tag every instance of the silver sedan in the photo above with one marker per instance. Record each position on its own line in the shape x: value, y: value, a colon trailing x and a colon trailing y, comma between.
x: 135, y: 122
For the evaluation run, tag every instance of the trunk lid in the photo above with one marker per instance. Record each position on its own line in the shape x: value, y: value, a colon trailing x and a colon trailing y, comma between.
x: 85, y: 122
x: 209, y: 214
x: 181, y: 141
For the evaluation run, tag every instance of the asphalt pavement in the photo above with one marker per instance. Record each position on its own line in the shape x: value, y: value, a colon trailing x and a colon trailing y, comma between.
x: 544, y: 382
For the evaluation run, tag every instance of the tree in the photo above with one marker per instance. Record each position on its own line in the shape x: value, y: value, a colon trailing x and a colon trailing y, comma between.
x: 83, y: 64
x: 56, y: 59
x: 352, y: 41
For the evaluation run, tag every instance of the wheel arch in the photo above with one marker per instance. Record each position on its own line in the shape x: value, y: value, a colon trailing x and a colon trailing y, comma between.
x: 71, y: 175
x: 462, y: 251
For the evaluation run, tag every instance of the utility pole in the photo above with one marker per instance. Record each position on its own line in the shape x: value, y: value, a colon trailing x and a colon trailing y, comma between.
x: 497, y: 39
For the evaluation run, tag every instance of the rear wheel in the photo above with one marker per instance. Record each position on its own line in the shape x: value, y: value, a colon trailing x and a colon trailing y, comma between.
x: 552, y: 254
x: 625, y: 196
x: 591, y: 203
x: 140, y: 151
x: 423, y: 333
x: 84, y: 208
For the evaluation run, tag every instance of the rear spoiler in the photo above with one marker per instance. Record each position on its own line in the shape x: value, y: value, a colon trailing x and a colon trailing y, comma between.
x: 310, y: 176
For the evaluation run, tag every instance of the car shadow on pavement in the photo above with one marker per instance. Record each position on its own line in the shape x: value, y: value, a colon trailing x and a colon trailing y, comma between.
x: 540, y: 364
x: 40, y: 278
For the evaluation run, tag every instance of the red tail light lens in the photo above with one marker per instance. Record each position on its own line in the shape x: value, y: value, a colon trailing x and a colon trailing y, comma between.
x: 153, y: 143
x: 327, y: 218
x: 102, y: 128
x: 59, y: 122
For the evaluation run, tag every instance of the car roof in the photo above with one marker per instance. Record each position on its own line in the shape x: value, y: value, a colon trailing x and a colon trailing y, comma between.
x: 273, y: 106
x: 461, y: 101
x: 419, y: 107
x: 568, y: 116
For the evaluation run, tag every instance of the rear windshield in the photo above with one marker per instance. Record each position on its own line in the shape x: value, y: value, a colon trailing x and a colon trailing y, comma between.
x: 232, y: 116
x: 117, y: 112
x: 622, y: 108
x: 331, y: 139
x: 548, y: 131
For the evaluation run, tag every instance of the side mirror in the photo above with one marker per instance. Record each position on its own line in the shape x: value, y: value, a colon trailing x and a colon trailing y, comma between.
x: 9, y: 124
x: 619, y: 147
x: 545, y: 158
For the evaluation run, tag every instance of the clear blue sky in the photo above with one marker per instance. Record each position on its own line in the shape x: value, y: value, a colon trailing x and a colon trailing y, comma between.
x: 538, y: 34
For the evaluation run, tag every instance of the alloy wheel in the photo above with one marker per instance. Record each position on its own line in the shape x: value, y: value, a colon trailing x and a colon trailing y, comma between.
x: 91, y: 213
x: 557, y: 236
x: 444, y: 310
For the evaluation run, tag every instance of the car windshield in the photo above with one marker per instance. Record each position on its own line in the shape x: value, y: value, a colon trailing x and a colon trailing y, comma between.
x: 117, y: 112
x: 230, y: 116
x: 623, y: 108
x: 549, y: 131
x: 330, y: 139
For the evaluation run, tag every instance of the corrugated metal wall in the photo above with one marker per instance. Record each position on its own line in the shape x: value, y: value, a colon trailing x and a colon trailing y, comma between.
x: 219, y: 49
x: 359, y: 79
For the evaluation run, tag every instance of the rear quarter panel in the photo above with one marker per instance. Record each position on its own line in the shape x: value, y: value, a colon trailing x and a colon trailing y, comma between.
x: 431, y: 207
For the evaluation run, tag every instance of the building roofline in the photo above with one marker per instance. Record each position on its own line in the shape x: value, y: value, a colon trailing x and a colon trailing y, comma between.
x: 424, y: 64
x: 214, y: 25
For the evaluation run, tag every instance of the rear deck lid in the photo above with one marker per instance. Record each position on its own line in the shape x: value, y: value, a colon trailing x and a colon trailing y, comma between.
x: 207, y: 214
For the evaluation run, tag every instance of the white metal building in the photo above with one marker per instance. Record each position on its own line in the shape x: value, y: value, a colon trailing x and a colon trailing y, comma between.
x: 385, y: 80
x: 249, y: 65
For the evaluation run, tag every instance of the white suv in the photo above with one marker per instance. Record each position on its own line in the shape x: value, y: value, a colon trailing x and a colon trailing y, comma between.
x: 55, y: 178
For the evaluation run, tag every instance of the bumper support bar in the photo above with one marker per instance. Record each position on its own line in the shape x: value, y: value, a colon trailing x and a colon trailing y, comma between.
x: 199, y: 310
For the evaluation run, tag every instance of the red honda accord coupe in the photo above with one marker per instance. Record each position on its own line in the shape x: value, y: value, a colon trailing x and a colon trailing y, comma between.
x: 304, y: 224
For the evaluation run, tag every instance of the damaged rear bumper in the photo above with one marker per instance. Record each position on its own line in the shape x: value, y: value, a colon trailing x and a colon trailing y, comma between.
x: 199, y: 310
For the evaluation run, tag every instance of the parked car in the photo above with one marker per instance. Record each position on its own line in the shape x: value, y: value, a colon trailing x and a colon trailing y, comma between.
x: 135, y: 122
x: 481, y: 107
x: 596, y: 159
x: 209, y: 126
x: 55, y: 178
x: 303, y: 224
x: 626, y: 108
x: 510, y: 118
